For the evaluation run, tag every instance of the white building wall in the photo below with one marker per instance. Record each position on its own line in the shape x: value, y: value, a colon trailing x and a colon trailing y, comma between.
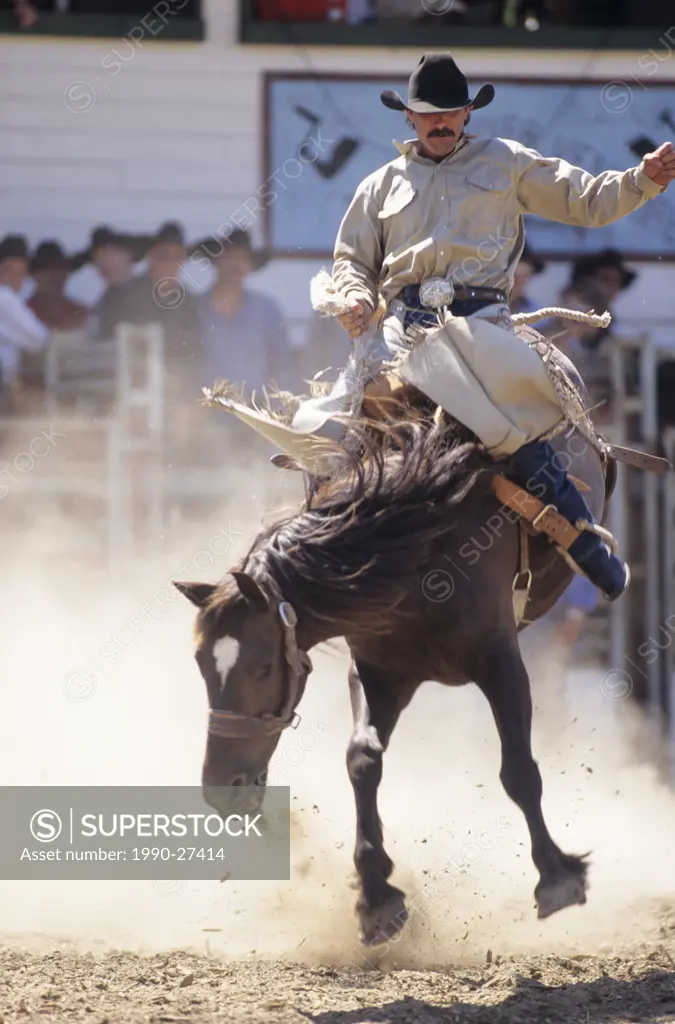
x: 174, y: 131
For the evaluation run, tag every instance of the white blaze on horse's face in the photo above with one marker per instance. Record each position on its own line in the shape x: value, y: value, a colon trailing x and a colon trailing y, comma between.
x: 225, y: 654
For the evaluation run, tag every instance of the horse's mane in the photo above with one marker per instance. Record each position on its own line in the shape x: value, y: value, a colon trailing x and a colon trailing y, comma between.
x: 371, y: 531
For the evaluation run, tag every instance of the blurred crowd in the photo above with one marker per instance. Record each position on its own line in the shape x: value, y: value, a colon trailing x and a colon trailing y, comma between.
x: 230, y: 330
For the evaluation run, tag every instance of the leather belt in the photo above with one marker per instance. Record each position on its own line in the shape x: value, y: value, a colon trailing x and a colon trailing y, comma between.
x: 410, y: 295
x: 542, y: 518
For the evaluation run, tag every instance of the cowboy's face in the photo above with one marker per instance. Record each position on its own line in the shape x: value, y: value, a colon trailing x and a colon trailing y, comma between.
x: 438, y: 132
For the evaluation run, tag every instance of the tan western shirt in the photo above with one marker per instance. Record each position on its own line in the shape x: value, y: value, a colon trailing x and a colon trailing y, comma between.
x: 415, y: 218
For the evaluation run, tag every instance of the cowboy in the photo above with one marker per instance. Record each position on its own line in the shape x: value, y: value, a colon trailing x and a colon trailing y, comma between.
x: 606, y: 270
x: 158, y: 296
x: 607, y: 273
x: 113, y: 254
x: 243, y: 331
x: 50, y: 269
x: 440, y: 227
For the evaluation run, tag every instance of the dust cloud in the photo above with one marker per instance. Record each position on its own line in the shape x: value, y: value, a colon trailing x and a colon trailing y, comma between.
x: 99, y: 690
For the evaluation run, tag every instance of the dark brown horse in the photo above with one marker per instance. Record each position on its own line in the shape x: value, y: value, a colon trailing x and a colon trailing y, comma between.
x: 411, y: 558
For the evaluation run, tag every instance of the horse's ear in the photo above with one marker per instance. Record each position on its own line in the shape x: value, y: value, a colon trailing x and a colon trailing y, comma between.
x: 251, y: 591
x: 198, y: 593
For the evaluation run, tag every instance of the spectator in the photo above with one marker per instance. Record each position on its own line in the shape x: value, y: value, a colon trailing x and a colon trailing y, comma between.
x: 607, y: 272
x: 158, y: 296
x: 49, y: 268
x: 243, y: 331
x: 20, y: 329
x: 114, y: 255
x: 583, y: 344
x: 604, y: 271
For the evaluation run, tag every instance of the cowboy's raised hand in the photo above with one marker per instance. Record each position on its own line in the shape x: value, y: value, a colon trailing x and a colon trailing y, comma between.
x: 660, y: 165
x: 358, y: 318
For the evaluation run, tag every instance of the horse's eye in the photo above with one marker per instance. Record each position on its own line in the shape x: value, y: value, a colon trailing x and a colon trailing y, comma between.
x: 264, y: 671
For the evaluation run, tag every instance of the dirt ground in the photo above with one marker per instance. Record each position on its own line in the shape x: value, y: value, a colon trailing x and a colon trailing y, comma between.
x: 126, y: 952
x: 179, y: 987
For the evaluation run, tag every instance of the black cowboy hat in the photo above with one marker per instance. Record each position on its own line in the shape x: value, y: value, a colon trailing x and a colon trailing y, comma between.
x: 102, y: 237
x: 586, y: 266
x: 14, y: 247
x: 49, y: 256
x: 435, y: 85
x: 214, y: 247
x: 170, y: 233
x: 536, y: 262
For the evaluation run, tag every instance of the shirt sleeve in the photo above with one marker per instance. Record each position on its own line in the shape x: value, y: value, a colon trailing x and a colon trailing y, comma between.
x: 19, y: 325
x: 358, y: 253
x: 557, y: 190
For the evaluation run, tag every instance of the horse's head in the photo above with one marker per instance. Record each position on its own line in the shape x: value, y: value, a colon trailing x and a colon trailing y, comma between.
x: 255, y: 677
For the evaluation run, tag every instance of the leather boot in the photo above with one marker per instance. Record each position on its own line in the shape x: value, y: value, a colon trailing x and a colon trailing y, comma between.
x: 535, y: 469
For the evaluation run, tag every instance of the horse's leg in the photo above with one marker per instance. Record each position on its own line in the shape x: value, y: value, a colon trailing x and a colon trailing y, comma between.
x: 504, y: 680
x: 376, y: 703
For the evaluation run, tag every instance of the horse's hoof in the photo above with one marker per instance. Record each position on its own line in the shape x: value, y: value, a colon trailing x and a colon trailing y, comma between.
x: 379, y: 924
x: 566, y: 892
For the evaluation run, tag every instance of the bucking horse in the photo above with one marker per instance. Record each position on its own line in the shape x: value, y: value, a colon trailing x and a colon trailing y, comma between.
x: 420, y: 553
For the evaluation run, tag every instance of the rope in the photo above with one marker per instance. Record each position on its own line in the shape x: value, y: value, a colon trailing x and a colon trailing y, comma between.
x: 595, y: 319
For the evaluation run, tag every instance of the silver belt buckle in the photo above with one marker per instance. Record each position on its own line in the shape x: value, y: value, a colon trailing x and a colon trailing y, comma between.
x: 436, y: 292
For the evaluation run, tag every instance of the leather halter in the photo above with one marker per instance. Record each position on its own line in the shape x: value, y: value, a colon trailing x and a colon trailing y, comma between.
x: 234, y: 725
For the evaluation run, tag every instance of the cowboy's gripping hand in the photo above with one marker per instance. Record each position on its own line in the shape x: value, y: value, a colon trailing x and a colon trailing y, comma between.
x: 357, y: 319
x: 660, y: 165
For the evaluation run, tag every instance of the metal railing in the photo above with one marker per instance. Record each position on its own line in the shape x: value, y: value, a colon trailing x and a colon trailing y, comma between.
x: 642, y: 518
x: 133, y: 452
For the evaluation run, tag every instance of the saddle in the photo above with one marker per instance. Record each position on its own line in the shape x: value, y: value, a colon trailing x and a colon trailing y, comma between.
x: 543, y: 532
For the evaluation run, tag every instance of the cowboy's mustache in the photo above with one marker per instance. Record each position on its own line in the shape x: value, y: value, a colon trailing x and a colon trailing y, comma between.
x: 441, y: 133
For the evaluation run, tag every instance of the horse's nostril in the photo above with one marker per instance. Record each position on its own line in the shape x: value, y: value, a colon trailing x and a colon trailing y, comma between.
x: 238, y: 780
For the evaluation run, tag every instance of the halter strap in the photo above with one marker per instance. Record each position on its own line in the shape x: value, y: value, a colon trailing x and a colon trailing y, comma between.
x: 234, y: 725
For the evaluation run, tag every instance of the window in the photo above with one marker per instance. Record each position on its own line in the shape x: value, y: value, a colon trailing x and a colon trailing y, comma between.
x: 561, y: 24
